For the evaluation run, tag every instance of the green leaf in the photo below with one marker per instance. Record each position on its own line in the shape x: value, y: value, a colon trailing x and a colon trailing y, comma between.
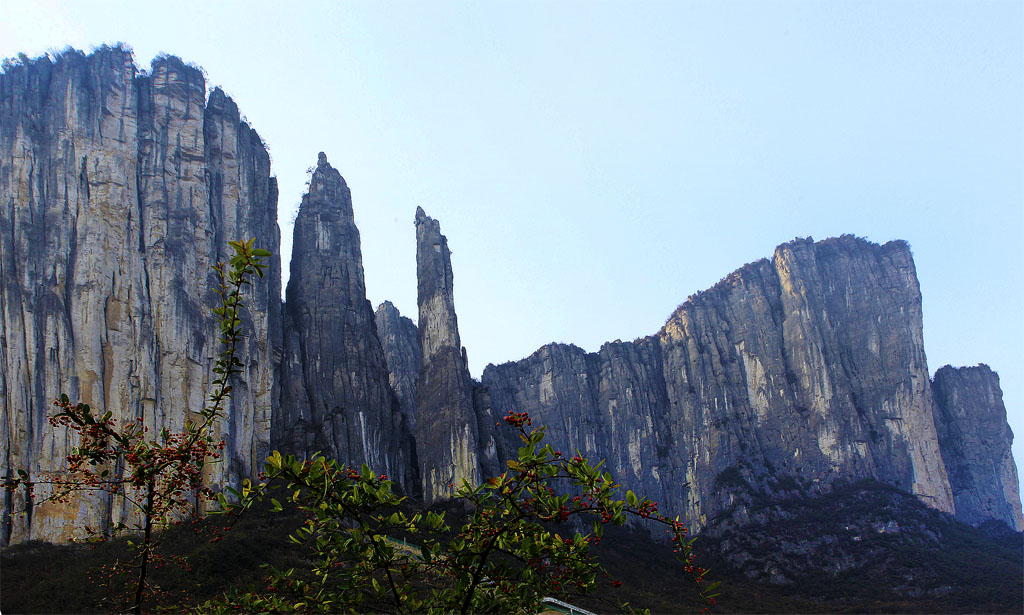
x: 274, y: 460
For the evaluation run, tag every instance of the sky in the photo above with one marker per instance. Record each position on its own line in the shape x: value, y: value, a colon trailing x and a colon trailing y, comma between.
x: 593, y: 163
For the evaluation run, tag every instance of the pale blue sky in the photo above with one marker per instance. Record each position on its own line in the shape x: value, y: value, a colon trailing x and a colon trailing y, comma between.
x: 593, y: 164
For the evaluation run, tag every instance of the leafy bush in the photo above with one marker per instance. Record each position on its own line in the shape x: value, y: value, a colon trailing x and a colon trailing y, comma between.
x: 370, y: 555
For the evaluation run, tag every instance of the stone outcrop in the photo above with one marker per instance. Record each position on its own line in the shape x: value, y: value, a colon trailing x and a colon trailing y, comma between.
x: 790, y: 375
x: 336, y: 398
x: 446, y: 424
x: 118, y: 192
x: 975, y: 441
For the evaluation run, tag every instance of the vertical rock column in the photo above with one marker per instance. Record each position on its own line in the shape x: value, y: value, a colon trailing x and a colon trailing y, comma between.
x: 335, y: 393
x: 446, y: 429
x: 975, y: 441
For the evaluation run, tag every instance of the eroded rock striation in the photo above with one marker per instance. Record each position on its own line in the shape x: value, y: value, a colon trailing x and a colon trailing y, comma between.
x: 975, y: 439
x: 118, y: 192
x: 446, y: 424
x: 336, y: 396
x: 789, y: 376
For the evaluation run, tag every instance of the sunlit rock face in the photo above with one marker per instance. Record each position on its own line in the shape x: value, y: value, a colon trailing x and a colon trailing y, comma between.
x: 118, y: 192
x: 446, y: 425
x: 336, y: 397
x: 788, y: 376
x: 976, y: 440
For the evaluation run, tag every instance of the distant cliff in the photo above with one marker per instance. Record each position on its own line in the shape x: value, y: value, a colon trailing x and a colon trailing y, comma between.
x: 790, y: 375
x: 118, y: 191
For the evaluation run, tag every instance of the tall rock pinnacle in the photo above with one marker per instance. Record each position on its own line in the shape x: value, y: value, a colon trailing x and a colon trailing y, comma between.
x: 446, y: 429
x: 335, y: 393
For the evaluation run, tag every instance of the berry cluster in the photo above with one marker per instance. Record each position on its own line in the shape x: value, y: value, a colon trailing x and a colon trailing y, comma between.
x: 518, y: 419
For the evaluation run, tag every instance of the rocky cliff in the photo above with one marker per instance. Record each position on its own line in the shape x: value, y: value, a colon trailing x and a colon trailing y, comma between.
x: 336, y: 397
x: 789, y: 376
x: 446, y: 424
x: 118, y: 191
x: 975, y: 441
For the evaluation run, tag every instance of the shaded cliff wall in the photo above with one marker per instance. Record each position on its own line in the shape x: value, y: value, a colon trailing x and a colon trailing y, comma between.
x: 976, y: 440
x: 336, y: 397
x: 446, y: 424
x: 400, y: 338
x: 787, y: 376
x: 118, y: 191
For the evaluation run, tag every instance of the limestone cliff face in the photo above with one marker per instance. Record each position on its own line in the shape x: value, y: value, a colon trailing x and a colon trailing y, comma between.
x: 975, y: 440
x: 446, y: 424
x: 336, y: 398
x: 788, y: 376
x: 118, y: 191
